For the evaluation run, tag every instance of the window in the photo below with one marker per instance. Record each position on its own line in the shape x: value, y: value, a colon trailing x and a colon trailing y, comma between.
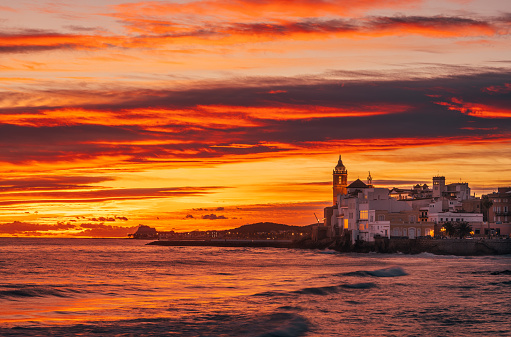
x: 345, y: 223
x: 381, y: 217
x: 363, y: 215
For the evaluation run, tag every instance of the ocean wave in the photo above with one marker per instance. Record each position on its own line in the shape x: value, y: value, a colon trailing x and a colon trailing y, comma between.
x: 286, y: 325
x: 269, y: 294
x: 485, y: 272
x: 277, y: 324
x: 503, y: 272
x: 335, y: 289
x: 319, y: 290
x: 366, y: 285
x: 386, y: 272
x: 27, y: 291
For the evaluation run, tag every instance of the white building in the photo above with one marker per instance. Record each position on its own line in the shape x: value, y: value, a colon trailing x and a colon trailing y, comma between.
x: 357, y: 211
x: 365, y: 212
x: 441, y: 217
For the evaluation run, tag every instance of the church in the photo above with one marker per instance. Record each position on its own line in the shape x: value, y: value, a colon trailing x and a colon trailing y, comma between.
x: 361, y: 211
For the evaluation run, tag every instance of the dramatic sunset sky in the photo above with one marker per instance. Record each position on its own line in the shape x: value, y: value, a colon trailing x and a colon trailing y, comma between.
x: 217, y: 113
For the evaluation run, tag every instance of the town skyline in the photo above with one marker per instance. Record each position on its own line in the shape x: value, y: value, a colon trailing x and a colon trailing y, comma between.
x: 214, y: 114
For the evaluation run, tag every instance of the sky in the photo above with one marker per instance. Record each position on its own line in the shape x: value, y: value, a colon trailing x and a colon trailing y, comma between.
x: 211, y: 114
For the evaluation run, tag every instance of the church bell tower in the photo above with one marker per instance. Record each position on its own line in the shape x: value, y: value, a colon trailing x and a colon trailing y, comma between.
x: 340, y: 180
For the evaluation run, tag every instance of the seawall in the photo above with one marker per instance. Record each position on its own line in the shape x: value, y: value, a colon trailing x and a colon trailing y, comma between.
x: 225, y: 243
x: 460, y: 247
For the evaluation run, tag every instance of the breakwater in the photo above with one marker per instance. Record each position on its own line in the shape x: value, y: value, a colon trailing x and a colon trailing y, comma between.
x: 459, y: 247
x: 225, y: 243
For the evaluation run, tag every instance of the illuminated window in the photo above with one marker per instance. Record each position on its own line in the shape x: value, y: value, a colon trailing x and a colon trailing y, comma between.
x: 364, y: 215
x: 345, y: 223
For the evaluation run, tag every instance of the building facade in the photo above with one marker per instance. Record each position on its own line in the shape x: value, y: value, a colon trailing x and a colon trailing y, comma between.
x: 499, y: 214
x: 363, y: 212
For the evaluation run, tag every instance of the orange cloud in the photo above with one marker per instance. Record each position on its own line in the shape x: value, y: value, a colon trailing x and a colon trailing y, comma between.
x: 218, y: 33
x: 294, y: 112
x: 248, y: 10
x: 477, y: 109
x: 34, y: 40
x: 438, y: 26
x: 498, y: 89
x: 217, y: 29
x: 100, y: 195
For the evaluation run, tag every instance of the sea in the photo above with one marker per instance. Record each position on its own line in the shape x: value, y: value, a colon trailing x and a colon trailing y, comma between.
x: 121, y: 287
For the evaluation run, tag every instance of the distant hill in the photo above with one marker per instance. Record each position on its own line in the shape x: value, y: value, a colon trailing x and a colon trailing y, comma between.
x: 270, y: 226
